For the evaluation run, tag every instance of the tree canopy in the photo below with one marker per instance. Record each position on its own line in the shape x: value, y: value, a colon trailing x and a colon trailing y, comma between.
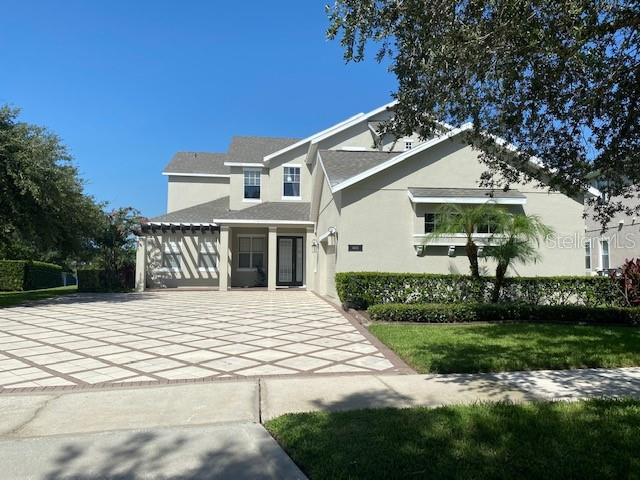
x: 559, y: 80
x: 44, y: 211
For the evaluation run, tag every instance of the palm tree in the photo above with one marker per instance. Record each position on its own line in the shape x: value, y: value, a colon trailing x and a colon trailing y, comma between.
x: 519, y: 236
x: 451, y: 219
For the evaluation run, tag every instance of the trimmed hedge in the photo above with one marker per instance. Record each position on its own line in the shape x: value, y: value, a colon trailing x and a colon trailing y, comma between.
x: 97, y: 280
x: 362, y: 289
x: 19, y: 275
x: 488, y: 312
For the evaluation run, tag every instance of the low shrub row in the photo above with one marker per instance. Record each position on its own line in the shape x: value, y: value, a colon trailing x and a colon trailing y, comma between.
x: 488, y: 312
x: 19, y: 275
x: 362, y: 289
x: 97, y: 280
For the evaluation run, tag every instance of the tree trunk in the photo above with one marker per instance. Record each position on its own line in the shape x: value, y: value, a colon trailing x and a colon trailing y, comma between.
x: 501, y: 271
x: 472, y: 254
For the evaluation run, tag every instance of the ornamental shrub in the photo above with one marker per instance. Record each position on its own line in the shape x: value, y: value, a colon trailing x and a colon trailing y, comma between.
x: 99, y: 280
x: 362, y: 289
x: 18, y: 275
x: 628, y: 280
x: 486, y: 312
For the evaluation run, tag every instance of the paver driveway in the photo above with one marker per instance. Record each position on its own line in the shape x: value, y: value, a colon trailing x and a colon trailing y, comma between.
x: 175, y: 336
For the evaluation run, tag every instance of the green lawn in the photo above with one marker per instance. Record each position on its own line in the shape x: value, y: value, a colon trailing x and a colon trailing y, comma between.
x: 597, y: 439
x: 508, y: 347
x: 8, y: 299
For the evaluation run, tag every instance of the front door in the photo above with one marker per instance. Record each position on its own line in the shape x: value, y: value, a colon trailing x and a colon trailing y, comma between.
x: 290, y: 261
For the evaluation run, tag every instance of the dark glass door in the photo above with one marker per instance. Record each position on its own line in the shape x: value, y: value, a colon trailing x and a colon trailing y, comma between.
x: 290, y: 261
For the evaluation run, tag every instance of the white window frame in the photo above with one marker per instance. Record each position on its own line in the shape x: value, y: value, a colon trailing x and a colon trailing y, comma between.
x: 435, y: 222
x: 202, y: 250
x: 298, y: 197
x: 408, y: 145
x: 588, y: 246
x: 251, y: 252
x: 601, y: 263
x: 244, y: 179
x: 169, y: 249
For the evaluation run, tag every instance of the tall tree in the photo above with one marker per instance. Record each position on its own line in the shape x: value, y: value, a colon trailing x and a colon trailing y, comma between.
x: 559, y: 80
x: 469, y: 220
x: 517, y: 242
x: 44, y: 212
x: 115, y: 240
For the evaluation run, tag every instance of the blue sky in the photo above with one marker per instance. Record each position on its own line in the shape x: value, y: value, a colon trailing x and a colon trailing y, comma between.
x: 127, y: 84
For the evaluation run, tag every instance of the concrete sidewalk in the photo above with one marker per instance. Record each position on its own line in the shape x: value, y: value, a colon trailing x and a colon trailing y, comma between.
x: 226, y: 451
x: 212, y: 430
x: 260, y: 400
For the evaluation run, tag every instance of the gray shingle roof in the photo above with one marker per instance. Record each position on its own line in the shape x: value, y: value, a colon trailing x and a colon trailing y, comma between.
x: 242, y: 149
x: 253, y: 149
x: 341, y: 165
x: 273, y: 211
x: 198, y: 162
x: 202, y: 213
x: 465, y: 192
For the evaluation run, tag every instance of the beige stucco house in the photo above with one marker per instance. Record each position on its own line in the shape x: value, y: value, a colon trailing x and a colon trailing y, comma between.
x: 280, y: 212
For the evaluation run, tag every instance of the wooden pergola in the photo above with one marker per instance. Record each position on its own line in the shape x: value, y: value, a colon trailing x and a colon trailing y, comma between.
x: 151, y: 228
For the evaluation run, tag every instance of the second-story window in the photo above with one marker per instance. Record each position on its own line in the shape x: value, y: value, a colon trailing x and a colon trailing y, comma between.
x: 291, y: 186
x: 252, y: 184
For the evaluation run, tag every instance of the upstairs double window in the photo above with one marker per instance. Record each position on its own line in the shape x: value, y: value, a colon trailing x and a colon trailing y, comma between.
x: 291, y: 182
x: 252, y: 184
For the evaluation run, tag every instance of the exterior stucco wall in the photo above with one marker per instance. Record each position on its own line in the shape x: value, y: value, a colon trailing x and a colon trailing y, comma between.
x: 377, y: 214
x: 624, y: 238
x: 271, y: 180
x: 325, y: 258
x: 184, y: 192
x: 275, y: 176
x: 189, y: 275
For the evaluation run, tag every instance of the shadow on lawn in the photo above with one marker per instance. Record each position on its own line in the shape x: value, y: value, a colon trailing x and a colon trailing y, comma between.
x: 169, y: 455
x: 547, y: 384
x: 595, y: 439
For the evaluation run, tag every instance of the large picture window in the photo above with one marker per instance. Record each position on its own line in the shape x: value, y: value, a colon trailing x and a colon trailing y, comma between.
x: 250, y: 252
x: 252, y: 184
x: 291, y: 186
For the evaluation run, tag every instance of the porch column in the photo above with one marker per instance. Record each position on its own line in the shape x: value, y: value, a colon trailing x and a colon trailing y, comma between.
x: 223, y: 267
x: 141, y: 264
x: 273, y: 256
x: 309, y: 259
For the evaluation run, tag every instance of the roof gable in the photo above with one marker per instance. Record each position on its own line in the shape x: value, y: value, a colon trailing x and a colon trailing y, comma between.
x: 333, y: 130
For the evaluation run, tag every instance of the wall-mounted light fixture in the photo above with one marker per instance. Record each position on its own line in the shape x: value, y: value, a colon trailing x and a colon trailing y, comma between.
x: 452, y: 251
x: 314, y: 246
